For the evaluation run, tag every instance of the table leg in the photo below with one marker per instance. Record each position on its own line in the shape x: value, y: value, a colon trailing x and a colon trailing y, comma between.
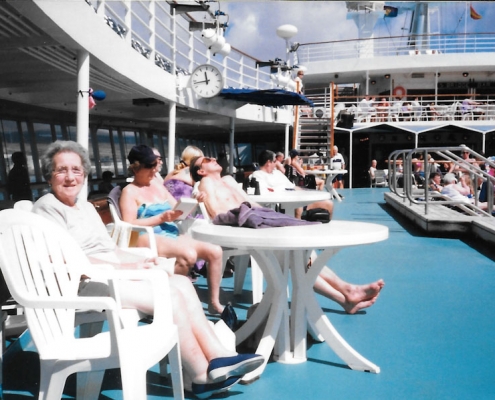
x: 305, y: 308
x: 274, y: 309
x: 331, y: 189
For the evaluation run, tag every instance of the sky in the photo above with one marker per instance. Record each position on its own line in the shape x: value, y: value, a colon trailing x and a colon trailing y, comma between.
x: 253, y: 24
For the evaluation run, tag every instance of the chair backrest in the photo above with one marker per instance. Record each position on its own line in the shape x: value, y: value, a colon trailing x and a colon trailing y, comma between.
x: 26, y: 205
x: 39, y: 260
x: 113, y: 201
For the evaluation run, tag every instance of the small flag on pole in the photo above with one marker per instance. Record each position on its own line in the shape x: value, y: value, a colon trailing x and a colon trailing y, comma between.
x: 391, y: 11
x: 474, y: 14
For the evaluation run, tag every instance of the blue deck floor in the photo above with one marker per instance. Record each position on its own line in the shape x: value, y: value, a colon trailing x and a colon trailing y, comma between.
x: 431, y: 330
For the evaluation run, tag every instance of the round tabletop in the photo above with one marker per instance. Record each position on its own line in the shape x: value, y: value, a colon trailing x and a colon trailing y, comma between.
x: 315, y: 236
x: 326, y: 171
x: 297, y: 196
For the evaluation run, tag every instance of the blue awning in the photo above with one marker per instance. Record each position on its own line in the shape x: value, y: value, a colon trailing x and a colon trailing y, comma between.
x: 269, y: 97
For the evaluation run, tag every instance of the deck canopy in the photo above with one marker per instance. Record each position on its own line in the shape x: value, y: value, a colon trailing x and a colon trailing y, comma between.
x: 268, y: 97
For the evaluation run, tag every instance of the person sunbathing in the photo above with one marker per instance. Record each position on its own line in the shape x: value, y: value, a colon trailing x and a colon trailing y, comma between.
x: 208, y: 365
x: 220, y: 195
x: 146, y: 202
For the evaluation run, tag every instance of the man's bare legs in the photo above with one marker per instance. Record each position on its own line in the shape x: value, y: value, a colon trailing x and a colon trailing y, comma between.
x: 351, y: 297
x: 187, y: 251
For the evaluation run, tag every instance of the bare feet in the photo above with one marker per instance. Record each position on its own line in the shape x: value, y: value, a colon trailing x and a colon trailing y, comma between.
x: 361, y: 296
x: 352, y: 308
x: 359, y: 293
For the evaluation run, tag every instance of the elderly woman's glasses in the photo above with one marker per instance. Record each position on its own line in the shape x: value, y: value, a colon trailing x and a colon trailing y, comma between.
x: 76, y: 171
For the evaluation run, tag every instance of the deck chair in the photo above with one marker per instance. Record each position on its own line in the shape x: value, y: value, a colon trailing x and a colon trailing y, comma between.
x: 123, y: 233
x: 42, y: 266
x: 26, y: 205
x: 241, y: 263
x: 380, y: 179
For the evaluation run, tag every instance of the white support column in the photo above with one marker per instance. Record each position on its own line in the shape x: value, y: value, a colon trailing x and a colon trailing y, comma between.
x: 172, y: 114
x: 286, y: 146
x: 349, y: 167
x: 82, y: 124
x: 231, y: 145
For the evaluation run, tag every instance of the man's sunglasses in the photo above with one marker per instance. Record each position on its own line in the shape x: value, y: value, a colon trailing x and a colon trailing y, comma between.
x: 207, y: 160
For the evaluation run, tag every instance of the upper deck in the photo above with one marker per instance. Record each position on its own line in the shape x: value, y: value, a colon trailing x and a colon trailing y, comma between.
x: 409, y: 63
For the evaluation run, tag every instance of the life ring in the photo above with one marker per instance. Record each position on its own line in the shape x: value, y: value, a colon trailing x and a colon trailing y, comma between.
x: 399, y: 91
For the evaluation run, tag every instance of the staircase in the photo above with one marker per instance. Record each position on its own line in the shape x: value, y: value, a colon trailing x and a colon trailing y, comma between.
x: 314, y: 128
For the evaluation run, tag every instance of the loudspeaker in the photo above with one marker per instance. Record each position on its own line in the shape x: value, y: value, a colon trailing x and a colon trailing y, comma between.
x: 345, y: 120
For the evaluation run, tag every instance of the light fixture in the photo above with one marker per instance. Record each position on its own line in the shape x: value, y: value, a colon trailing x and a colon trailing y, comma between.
x: 465, y: 74
x: 373, y: 82
x: 387, y: 76
x: 214, y: 40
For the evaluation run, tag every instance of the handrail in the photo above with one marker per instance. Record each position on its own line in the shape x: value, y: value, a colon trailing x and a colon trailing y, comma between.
x: 392, y: 46
x: 445, y: 154
x: 168, y: 43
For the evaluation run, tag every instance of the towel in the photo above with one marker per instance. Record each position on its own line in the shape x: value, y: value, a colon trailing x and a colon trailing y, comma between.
x: 257, y: 217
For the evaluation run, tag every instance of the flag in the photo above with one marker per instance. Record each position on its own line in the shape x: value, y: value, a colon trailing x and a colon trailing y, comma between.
x: 474, y: 14
x: 391, y: 11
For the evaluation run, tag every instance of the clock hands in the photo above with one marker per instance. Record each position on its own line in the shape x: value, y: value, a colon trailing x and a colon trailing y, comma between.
x: 206, y: 80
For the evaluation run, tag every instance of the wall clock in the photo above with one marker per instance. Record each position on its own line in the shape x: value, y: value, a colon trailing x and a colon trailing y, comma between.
x: 206, y: 81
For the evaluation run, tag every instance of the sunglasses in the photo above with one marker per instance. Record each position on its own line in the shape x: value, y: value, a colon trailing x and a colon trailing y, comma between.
x: 207, y: 160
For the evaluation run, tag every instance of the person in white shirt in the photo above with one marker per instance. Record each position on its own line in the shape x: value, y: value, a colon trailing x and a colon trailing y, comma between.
x: 272, y: 180
x: 337, y: 162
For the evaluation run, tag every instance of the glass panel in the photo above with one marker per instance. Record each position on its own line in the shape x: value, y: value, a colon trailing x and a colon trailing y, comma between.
x: 105, y: 148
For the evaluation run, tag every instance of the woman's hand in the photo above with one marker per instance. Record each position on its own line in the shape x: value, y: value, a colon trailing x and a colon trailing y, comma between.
x: 170, y: 215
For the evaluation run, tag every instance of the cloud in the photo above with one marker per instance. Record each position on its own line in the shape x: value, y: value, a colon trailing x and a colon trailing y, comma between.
x: 253, y: 24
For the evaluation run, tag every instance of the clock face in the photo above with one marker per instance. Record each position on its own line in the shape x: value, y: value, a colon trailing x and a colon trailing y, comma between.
x: 206, y: 81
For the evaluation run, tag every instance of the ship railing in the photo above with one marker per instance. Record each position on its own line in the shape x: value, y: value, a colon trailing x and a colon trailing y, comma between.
x: 414, y: 108
x: 413, y: 186
x: 392, y: 46
x: 165, y: 38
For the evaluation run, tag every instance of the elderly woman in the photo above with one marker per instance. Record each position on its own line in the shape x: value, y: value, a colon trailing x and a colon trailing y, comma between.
x: 147, y: 202
x: 210, y: 367
x: 179, y: 182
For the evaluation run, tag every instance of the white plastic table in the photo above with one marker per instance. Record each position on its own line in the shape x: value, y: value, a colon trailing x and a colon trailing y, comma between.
x: 330, y: 174
x: 278, y: 251
x: 290, y: 199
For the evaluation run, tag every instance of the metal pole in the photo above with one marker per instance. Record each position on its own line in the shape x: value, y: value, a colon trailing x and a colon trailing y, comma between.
x: 172, y: 114
x: 231, y: 145
x: 82, y: 123
x: 332, y: 116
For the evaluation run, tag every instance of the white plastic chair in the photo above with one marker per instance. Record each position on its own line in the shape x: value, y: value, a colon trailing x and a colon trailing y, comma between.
x: 26, y: 205
x: 125, y: 234
x: 42, y: 266
x: 380, y: 179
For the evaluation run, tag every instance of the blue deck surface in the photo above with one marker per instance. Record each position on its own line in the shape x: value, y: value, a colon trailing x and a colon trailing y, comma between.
x: 431, y: 330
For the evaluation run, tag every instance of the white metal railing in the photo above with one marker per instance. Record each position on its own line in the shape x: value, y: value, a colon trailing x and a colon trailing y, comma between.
x: 409, y: 192
x: 164, y: 38
x: 417, y: 45
x: 412, y: 108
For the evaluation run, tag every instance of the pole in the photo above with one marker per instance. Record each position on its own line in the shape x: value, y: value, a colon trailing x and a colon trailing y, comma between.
x: 296, y: 119
x: 231, y: 145
x: 82, y: 123
x: 332, y: 118
x: 172, y: 115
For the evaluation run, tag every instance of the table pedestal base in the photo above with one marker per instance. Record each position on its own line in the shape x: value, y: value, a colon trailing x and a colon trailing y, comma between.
x: 288, y: 341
